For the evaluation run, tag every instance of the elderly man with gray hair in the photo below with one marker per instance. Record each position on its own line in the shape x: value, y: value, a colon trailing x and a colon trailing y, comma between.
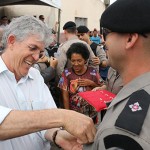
x: 28, y: 112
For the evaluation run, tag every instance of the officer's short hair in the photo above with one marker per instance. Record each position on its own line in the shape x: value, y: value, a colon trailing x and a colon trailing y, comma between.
x: 70, y: 27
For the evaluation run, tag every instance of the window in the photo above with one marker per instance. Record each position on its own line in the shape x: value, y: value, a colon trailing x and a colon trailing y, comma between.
x: 80, y: 21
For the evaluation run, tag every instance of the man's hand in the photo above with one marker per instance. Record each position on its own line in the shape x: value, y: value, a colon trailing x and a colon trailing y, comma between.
x: 96, y: 60
x: 64, y: 139
x: 79, y: 125
x: 67, y: 141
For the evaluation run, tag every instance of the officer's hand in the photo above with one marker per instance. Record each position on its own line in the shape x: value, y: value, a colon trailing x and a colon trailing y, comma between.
x: 79, y: 125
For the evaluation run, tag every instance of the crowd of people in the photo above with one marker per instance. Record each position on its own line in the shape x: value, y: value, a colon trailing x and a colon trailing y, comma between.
x: 40, y: 80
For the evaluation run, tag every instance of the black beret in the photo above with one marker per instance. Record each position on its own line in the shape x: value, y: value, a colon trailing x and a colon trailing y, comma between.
x: 82, y: 29
x: 69, y: 24
x: 127, y: 16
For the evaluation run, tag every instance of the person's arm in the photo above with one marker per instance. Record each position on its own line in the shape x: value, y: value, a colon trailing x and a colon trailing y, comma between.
x: 101, y: 54
x: 64, y: 84
x: 63, y: 139
x: 19, y: 123
x: 54, y: 30
x: 49, y: 73
x: 65, y: 95
x: 91, y: 62
x: 62, y: 60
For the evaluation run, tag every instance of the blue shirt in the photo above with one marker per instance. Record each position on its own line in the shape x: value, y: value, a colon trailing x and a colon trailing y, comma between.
x: 95, y: 39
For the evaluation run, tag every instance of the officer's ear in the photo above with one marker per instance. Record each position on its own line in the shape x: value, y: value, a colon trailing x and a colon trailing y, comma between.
x: 131, y: 40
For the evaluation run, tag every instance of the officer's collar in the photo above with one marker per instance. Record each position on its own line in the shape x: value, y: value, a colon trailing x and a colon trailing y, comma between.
x: 72, y: 37
x: 135, y: 85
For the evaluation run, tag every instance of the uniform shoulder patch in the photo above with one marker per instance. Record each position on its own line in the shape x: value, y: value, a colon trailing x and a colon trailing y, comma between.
x: 133, y: 115
x: 121, y: 142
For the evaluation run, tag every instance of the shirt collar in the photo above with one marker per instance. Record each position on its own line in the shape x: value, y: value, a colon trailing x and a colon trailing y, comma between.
x: 135, y: 85
x: 4, y: 68
x: 73, y: 37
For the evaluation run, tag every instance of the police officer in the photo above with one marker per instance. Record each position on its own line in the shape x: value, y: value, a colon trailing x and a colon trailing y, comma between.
x: 70, y: 35
x: 126, y: 29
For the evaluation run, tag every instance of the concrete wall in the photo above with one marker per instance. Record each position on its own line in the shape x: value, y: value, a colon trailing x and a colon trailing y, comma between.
x: 91, y: 9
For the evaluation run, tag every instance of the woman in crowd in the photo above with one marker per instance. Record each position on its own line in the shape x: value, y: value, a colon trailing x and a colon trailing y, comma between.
x: 78, y: 78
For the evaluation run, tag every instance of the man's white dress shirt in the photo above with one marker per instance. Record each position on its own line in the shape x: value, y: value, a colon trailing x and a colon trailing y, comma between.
x: 30, y: 93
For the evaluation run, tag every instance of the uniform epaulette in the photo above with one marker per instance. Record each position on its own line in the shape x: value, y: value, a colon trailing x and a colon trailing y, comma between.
x: 134, y: 113
x: 121, y: 142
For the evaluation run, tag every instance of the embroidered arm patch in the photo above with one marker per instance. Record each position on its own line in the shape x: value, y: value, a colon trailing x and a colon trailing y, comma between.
x: 134, y: 113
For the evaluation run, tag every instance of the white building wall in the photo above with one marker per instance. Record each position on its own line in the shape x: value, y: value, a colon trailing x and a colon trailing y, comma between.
x: 91, y: 9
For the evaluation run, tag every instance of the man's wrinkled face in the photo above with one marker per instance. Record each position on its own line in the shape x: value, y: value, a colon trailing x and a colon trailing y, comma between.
x: 25, y: 54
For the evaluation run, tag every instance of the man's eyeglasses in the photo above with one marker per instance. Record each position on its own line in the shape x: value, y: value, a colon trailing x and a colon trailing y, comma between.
x: 35, y: 50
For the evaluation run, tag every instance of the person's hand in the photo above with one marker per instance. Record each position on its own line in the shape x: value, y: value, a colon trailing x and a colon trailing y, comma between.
x: 97, y: 88
x: 96, y: 60
x: 79, y: 125
x: 103, y: 87
x: 53, y: 62
x: 85, y: 82
x: 67, y: 142
x: 63, y: 139
x: 43, y: 59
